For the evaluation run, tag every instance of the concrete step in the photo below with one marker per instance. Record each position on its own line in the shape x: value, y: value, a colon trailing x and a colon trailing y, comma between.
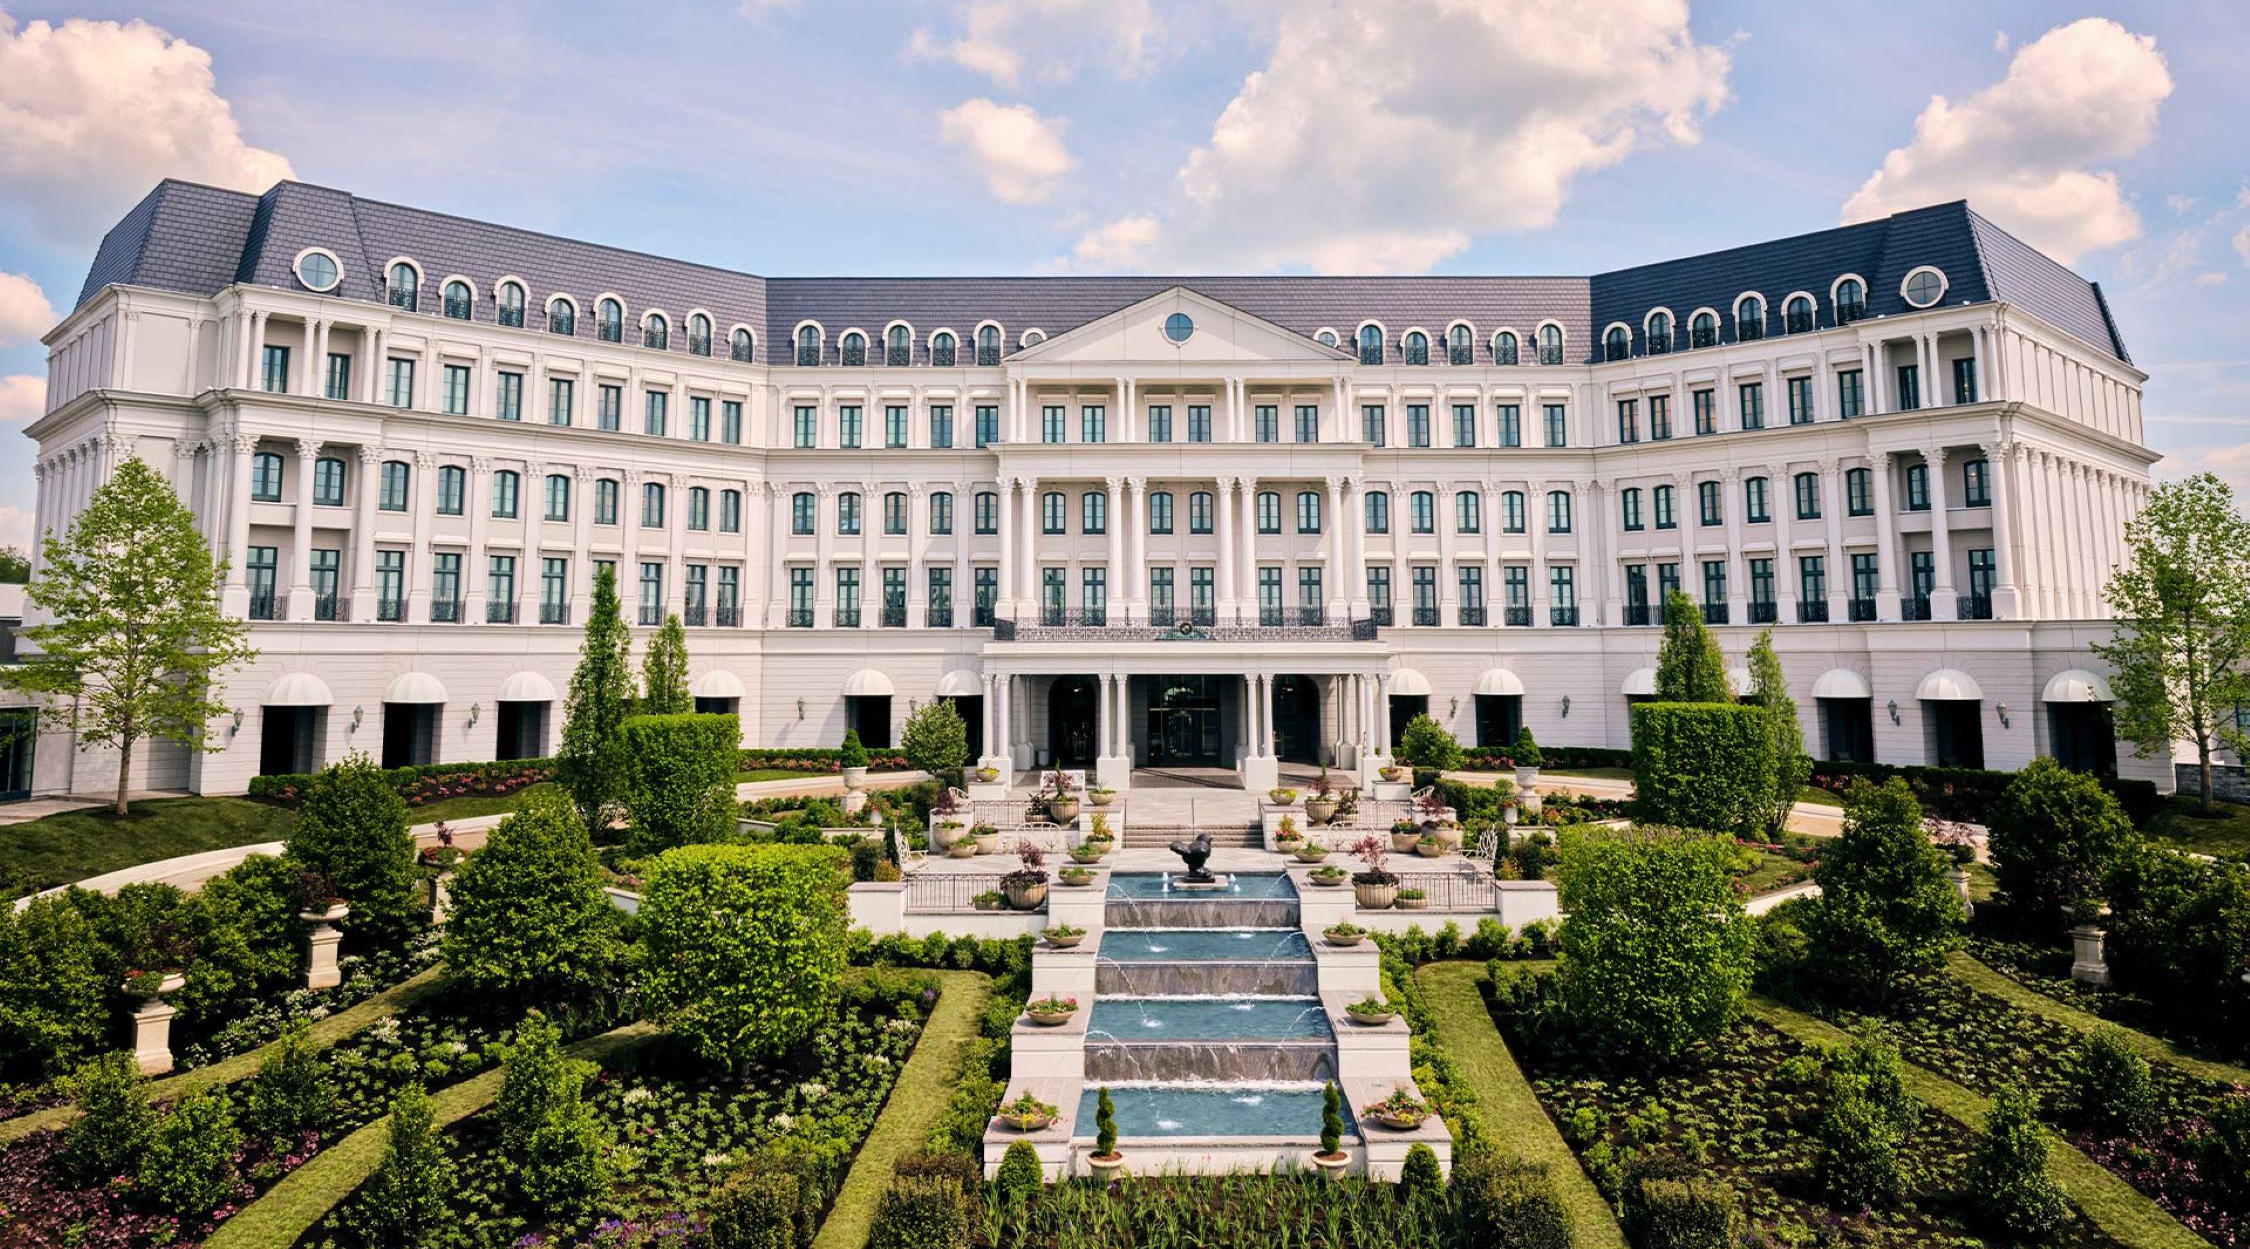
x: 1158, y: 837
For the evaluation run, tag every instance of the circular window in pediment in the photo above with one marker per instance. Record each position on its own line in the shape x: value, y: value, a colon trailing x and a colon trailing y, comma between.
x: 1179, y: 327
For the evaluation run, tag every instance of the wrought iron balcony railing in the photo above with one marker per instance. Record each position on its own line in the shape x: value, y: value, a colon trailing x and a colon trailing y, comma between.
x: 1762, y: 611
x: 1812, y: 611
x: 554, y: 613
x: 652, y: 614
x: 1518, y: 616
x: 1472, y: 616
x: 445, y: 611
x: 1637, y: 614
x: 727, y: 616
x: 1915, y: 608
x: 1860, y: 609
x: 501, y: 612
x: 1973, y: 607
x: 799, y: 618
x: 390, y: 610
x: 1425, y: 617
x: 1714, y: 613
x: 329, y: 607
x: 1563, y: 617
x: 263, y: 607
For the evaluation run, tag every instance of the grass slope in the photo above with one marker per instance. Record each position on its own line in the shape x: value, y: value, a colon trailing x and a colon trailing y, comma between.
x: 2114, y: 1206
x: 2179, y: 822
x: 1514, y: 1120
x: 1985, y: 980
x: 916, y: 1103
x: 73, y: 845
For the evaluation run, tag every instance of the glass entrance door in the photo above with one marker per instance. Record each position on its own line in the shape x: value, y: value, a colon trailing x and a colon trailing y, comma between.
x: 1183, y: 722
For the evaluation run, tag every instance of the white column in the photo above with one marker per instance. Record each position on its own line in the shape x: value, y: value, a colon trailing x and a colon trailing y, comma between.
x: 1338, y: 595
x: 964, y: 574
x: 1116, y: 521
x: 1247, y: 609
x: 986, y: 712
x: 1781, y: 491
x: 1103, y: 708
x: 917, y: 553
x: 419, y: 560
x: 1136, y: 557
x: 300, y: 554
x: 1448, y: 580
x: 1356, y: 570
x: 1005, y: 607
x: 1942, y: 596
x: 1999, y: 472
x: 2082, y: 538
x: 363, y: 534
x: 1225, y: 501
x: 1027, y: 561
x: 373, y: 363
x: 1266, y: 734
x: 1886, y: 535
x: 1832, y: 521
x: 1733, y: 504
x: 239, y: 448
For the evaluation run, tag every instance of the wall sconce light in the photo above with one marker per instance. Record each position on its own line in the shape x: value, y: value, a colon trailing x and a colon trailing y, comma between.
x: 1453, y: 707
x: 2002, y: 709
x: 800, y: 709
x: 1566, y: 706
x: 358, y: 714
x: 237, y: 721
x: 1892, y: 707
x: 474, y: 709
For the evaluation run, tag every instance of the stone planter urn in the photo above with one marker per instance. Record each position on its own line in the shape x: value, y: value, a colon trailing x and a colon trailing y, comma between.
x: 1959, y: 877
x: 1101, y: 797
x: 1329, y: 880
x: 1430, y: 847
x: 2088, y: 963
x: 1526, y: 777
x: 1370, y: 1019
x: 1510, y: 813
x: 1331, y: 1166
x: 1320, y: 810
x: 1450, y: 834
x: 321, y: 971
x: 152, y: 1022
x: 1106, y: 1167
x: 1026, y: 897
x: 962, y: 848
x: 1414, y: 904
x: 1375, y: 897
x: 855, y: 779
x: 987, y: 843
x: 1390, y: 772
x: 1403, y: 843
x: 1063, y: 809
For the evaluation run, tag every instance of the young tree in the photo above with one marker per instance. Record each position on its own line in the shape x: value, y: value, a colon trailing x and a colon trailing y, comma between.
x: 664, y: 672
x: 403, y: 1203
x: 137, y: 641
x: 1426, y: 744
x: 593, y: 763
x: 936, y: 739
x: 2056, y: 835
x: 1769, y: 689
x: 1885, y: 911
x: 529, y: 920
x: 2180, y: 653
x: 1689, y: 667
x: 352, y: 830
x: 545, y: 1124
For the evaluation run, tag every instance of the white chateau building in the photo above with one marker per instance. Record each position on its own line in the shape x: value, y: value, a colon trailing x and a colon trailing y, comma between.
x: 1128, y: 522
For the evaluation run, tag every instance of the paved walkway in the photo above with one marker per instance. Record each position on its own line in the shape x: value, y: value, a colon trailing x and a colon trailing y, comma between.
x: 39, y: 808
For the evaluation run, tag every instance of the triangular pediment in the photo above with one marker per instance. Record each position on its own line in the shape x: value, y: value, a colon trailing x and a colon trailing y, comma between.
x: 1220, y: 334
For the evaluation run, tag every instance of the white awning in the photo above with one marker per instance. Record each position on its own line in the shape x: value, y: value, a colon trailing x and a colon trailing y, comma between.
x: 1499, y: 681
x: 299, y: 689
x: 2076, y: 685
x: 1742, y: 681
x: 960, y: 683
x: 1409, y: 682
x: 1841, y: 683
x: 717, y: 683
x: 867, y: 683
x: 1950, y: 685
x: 415, y: 687
x: 527, y: 687
x: 1640, y: 683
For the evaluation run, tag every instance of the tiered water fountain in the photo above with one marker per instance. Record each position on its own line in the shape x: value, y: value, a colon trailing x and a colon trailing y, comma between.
x: 1215, y: 1014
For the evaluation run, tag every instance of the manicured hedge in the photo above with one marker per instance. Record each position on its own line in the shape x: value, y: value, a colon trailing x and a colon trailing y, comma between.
x: 1553, y: 758
x: 1702, y: 765
x: 452, y: 780
x: 1969, y: 793
x: 681, y: 783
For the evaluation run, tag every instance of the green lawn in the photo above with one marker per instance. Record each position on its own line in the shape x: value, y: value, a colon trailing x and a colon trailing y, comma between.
x: 469, y: 806
x: 773, y: 774
x: 73, y: 845
x: 1808, y: 793
x: 2180, y: 821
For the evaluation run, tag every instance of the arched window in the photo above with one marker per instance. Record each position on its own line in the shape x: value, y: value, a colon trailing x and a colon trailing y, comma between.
x: 1750, y: 320
x: 458, y: 300
x: 941, y: 351
x: 1468, y: 513
x: 1093, y: 512
x: 652, y: 505
x: 741, y: 347
x: 1617, y: 344
x: 558, y: 496
x: 1053, y: 514
x: 328, y: 482
x: 898, y: 347
x: 452, y: 489
x: 406, y: 286
x: 1032, y: 338
x: 699, y: 508
x: 1378, y: 511
x: 1703, y: 331
x: 988, y: 345
x: 1558, y: 511
x: 607, y: 493
x: 1797, y: 315
x: 1370, y: 344
x: 561, y: 318
x: 398, y: 480
x: 610, y: 317
x: 511, y: 304
x: 808, y: 346
x: 1199, y: 512
x: 847, y: 513
x: 1160, y: 511
x: 1512, y: 512
x: 1659, y: 333
x: 507, y: 484
x: 1859, y: 491
x: 699, y: 335
x: 1417, y: 348
x: 1504, y: 348
x: 1308, y: 511
x: 1550, y: 344
x: 656, y: 332
x: 1269, y: 511
x: 894, y: 512
x: 801, y: 513
x: 854, y: 349
x: 1851, y: 301
x: 1421, y: 512
x: 1460, y: 346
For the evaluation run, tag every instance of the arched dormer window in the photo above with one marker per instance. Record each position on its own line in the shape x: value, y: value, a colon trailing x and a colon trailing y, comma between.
x: 942, y: 351
x: 741, y: 347
x: 510, y: 305
x: 1750, y: 319
x: 1370, y: 344
x: 562, y: 317
x: 1550, y: 344
x: 808, y: 346
x: 1460, y: 346
x: 988, y: 345
x: 406, y: 286
x: 1504, y: 348
x: 1797, y: 315
x: 1617, y: 343
x: 609, y: 317
x: 1851, y: 301
x: 459, y: 300
x: 656, y: 332
x: 699, y: 335
x: 1659, y: 333
x: 898, y: 347
x: 854, y: 349
x: 1703, y: 331
x: 1417, y: 348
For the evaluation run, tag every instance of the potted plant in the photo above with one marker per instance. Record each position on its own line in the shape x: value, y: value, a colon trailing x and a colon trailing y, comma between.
x: 1328, y: 875
x: 1344, y: 934
x: 985, y: 776
x: 1062, y: 802
x: 1063, y: 936
x: 961, y: 848
x: 990, y: 900
x: 1399, y: 1112
x: 1320, y: 806
x: 1026, y: 887
x: 148, y: 986
x: 1106, y: 1161
x: 1026, y: 1114
x: 1286, y: 836
x: 1404, y: 833
x: 986, y: 837
x: 1370, y: 1011
x: 1430, y: 846
x: 1100, y: 795
x: 1076, y: 877
x: 853, y: 762
x: 1412, y: 899
x: 1448, y: 832
x: 1527, y: 756
x: 1311, y: 852
x: 1100, y: 830
x: 1390, y: 772
x: 1089, y: 851
x: 1331, y: 1159
x: 1283, y: 797
x: 1376, y: 888
x: 1051, y: 1011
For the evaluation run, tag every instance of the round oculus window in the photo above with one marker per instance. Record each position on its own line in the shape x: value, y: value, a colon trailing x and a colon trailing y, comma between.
x: 1179, y: 327
x: 1924, y: 287
x: 316, y: 271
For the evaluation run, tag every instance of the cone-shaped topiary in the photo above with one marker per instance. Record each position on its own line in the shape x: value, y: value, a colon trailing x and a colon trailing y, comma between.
x: 1331, y: 1120
x: 1019, y: 1176
x: 1105, y: 1125
x: 1421, y: 1176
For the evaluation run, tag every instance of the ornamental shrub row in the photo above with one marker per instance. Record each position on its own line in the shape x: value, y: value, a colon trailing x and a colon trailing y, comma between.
x: 1969, y: 793
x: 1703, y: 765
x: 1552, y: 758
x: 418, y: 786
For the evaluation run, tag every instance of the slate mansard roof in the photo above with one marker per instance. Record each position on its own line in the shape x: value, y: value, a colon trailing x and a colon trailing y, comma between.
x: 198, y: 240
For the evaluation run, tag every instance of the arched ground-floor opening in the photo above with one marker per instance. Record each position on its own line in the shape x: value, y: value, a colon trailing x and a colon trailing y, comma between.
x: 521, y: 732
x: 1073, y: 721
x: 410, y: 735
x: 1296, y: 719
x: 289, y: 739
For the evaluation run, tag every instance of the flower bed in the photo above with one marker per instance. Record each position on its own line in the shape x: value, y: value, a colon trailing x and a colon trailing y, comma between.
x: 364, y: 976
x: 1220, y: 1212
x: 2045, y: 969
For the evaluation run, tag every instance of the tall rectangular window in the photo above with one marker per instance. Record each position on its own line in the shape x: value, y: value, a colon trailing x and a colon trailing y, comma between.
x: 327, y: 574
x: 456, y: 398
x: 652, y: 589
x: 1859, y: 492
x: 554, y: 588
x: 1714, y: 582
x: 1308, y: 588
x: 800, y: 598
x: 1093, y: 593
x: 988, y: 513
x: 396, y: 475
x: 609, y: 408
x: 699, y: 418
x: 1965, y: 380
x: 339, y: 376
x: 1511, y: 425
x: 988, y: 424
x: 1558, y: 427
x: 398, y: 383
x: 1706, y: 403
x: 1464, y: 424
x: 1093, y: 423
x: 1800, y: 401
x: 1983, y: 574
x: 1925, y: 575
x: 1160, y: 422
x: 1629, y: 504
x: 1161, y: 603
x: 987, y: 590
x: 847, y: 598
x: 508, y: 398
x: 1562, y: 593
x: 562, y: 396
x: 452, y: 490
x: 274, y: 373
x: 1417, y: 425
x: 1266, y: 422
x: 847, y: 426
x: 1909, y: 387
x: 501, y: 580
x: 1628, y: 420
x: 1051, y: 422
x: 1371, y: 424
x: 1379, y: 591
x: 1918, y: 488
x: 1425, y: 594
x: 941, y: 426
x: 1160, y: 511
x: 1659, y: 417
x: 1753, y: 399
x: 1202, y: 600
x: 894, y: 425
x: 1866, y: 577
x: 1308, y: 422
x: 1755, y: 501
x: 806, y: 426
x: 390, y: 585
x: 1662, y: 501
x: 1851, y: 394
x: 1812, y: 578
x: 1199, y: 422
x: 730, y: 422
x: 445, y: 585
x: 1710, y: 508
x: 1761, y: 580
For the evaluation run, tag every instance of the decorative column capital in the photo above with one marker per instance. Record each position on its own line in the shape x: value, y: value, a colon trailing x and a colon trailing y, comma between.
x: 1935, y: 457
x: 1336, y: 485
x: 1882, y: 460
x: 369, y: 453
x: 1114, y: 484
x: 425, y: 459
x: 481, y: 465
x: 1829, y: 465
x: 307, y: 448
x: 1138, y: 485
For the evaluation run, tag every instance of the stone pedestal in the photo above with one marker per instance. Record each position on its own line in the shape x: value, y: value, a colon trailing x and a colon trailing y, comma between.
x: 1115, y: 771
x: 2088, y: 963
x: 152, y: 1029
x: 441, y: 898
x: 1959, y: 876
x: 855, y: 801
x: 321, y: 971
x: 1260, y: 772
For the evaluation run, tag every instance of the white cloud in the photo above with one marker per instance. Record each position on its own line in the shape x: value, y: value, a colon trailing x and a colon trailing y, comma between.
x: 760, y: 10
x: 1385, y: 137
x: 92, y: 114
x: 23, y: 397
x: 2022, y: 150
x: 25, y: 313
x: 2000, y: 41
x: 2181, y: 204
x: 2242, y: 245
x: 1020, y: 153
x: 2211, y: 278
x: 1054, y: 39
x: 1122, y: 244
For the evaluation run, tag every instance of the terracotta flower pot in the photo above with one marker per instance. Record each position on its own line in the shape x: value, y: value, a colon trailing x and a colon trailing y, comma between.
x: 1376, y: 897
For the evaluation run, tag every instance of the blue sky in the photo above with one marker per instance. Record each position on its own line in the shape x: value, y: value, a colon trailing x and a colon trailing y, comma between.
x: 1028, y: 136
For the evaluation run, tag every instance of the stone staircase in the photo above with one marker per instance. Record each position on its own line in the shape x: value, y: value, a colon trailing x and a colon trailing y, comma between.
x: 1223, y: 836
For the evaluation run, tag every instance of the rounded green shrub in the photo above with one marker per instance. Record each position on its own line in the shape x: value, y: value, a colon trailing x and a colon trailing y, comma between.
x: 1671, y: 1208
x: 756, y: 1209
x: 1425, y: 744
x: 1499, y: 1201
x: 1858, y: 1163
x: 2055, y: 836
x: 292, y: 1090
x: 352, y: 831
x: 2008, y: 1172
x: 187, y: 1166
x: 54, y: 999
x: 1421, y: 1176
x: 679, y: 783
x: 1708, y: 766
x: 1020, y: 1175
x: 106, y: 1139
x: 1525, y: 750
x: 529, y: 919
x: 2109, y: 1084
x: 921, y: 1212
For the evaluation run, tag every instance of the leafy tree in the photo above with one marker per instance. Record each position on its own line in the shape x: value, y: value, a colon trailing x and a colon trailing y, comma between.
x: 291, y: 1091
x: 1863, y: 1129
x: 15, y: 565
x: 188, y: 1164
x: 1426, y: 744
x: 54, y: 999
x: 1656, y: 950
x: 2110, y: 1085
x: 545, y: 1125
x: 403, y: 1203
x: 936, y: 738
x: 1885, y: 911
x: 1703, y: 765
x: 745, y: 944
x: 137, y: 640
x: 2056, y: 836
x: 2179, y: 655
x: 1689, y: 667
x: 2008, y: 1172
x: 594, y: 762
x: 529, y: 920
x: 1769, y: 689
x: 353, y: 832
x: 110, y: 1133
x: 664, y: 678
